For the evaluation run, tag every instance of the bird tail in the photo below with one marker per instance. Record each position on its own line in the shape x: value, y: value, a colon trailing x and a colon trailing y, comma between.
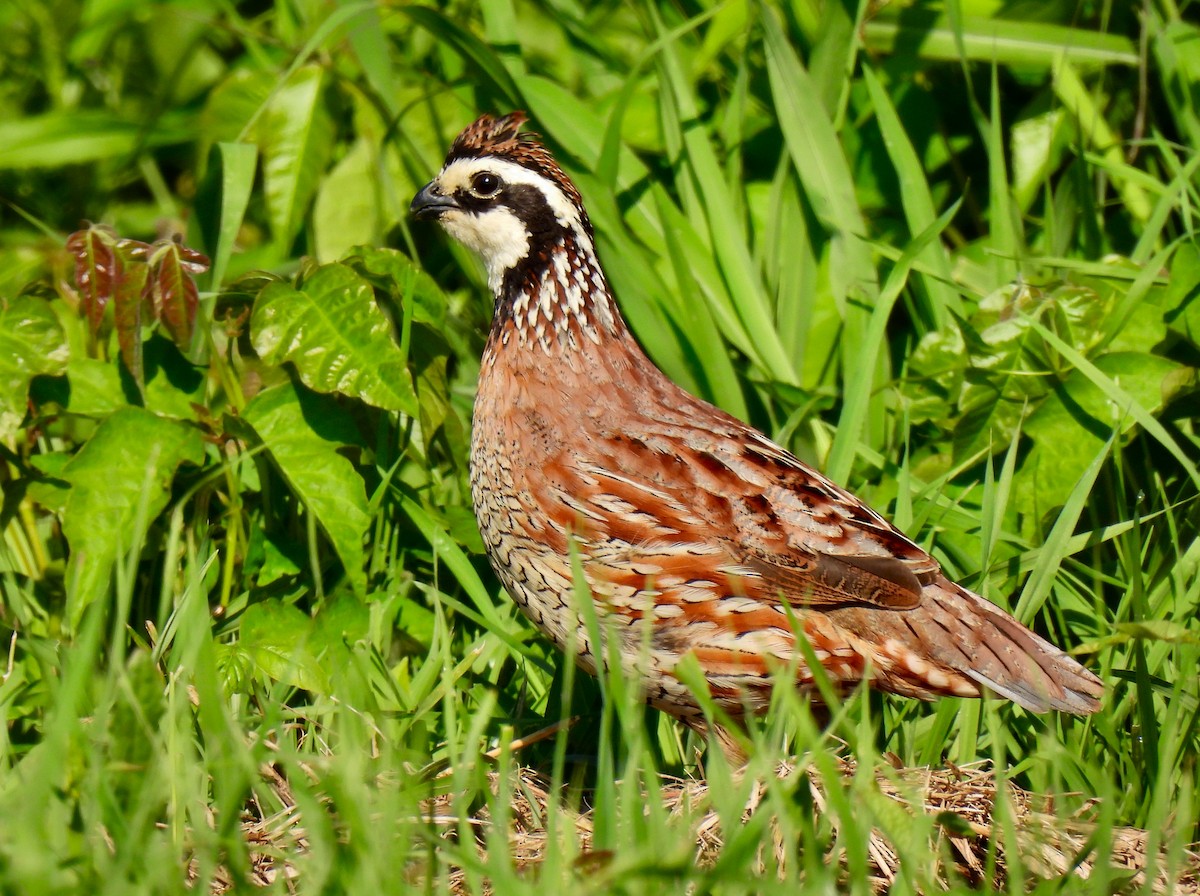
x: 1023, y: 666
x: 955, y: 643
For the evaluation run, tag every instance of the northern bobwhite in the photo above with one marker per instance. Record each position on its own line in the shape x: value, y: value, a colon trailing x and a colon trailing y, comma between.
x: 696, y: 533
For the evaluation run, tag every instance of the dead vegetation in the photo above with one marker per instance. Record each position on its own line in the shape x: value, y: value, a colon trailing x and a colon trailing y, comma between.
x: 956, y: 803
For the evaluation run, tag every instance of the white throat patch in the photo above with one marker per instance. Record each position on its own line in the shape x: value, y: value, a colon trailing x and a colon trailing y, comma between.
x: 498, y: 236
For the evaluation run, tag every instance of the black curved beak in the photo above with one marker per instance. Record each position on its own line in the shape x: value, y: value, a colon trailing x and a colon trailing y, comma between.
x: 431, y: 202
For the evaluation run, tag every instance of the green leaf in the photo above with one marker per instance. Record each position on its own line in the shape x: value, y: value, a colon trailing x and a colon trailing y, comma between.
x: 335, y: 334
x: 273, y: 559
x: 174, y: 386
x: 858, y: 380
x: 303, y: 432
x: 32, y: 342
x: 813, y: 145
x: 404, y: 279
x: 1154, y: 630
x: 47, y: 487
x: 340, y: 622
x: 296, y: 135
x: 1183, y: 300
x: 120, y: 482
x: 276, y: 637
x: 915, y: 195
x: 222, y: 200
x: 346, y: 212
x: 1094, y: 128
x: 719, y: 214
x: 1121, y: 398
x: 935, y: 376
x: 1080, y: 407
x: 75, y: 136
x: 234, y: 106
x: 1159, y: 630
x: 994, y: 39
x: 93, y: 388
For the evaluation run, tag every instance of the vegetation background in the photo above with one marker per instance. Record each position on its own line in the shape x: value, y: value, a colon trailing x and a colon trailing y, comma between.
x: 947, y: 251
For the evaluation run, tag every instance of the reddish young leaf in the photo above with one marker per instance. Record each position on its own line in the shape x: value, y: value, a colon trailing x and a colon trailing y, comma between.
x: 175, y: 295
x: 130, y: 311
x: 134, y: 250
x: 193, y: 262
x: 98, y: 267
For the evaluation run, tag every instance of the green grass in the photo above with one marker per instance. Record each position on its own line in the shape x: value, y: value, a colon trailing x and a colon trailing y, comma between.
x: 946, y: 254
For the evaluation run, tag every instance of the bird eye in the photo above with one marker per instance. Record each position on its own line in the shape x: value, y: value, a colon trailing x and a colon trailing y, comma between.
x: 485, y: 184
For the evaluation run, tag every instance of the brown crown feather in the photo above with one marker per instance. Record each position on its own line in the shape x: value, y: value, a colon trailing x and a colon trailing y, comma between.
x: 501, y: 136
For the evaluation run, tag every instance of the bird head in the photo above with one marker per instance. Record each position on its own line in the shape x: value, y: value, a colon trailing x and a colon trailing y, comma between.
x: 501, y: 194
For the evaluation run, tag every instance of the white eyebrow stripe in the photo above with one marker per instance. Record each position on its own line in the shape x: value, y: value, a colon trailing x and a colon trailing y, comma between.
x: 458, y: 174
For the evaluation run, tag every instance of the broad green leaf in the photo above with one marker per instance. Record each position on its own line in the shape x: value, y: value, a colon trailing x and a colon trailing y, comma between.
x: 1079, y: 407
x: 404, y: 279
x: 1119, y: 397
x: 234, y: 105
x: 48, y: 488
x: 32, y: 342
x: 92, y: 388
x: 276, y: 638
x: 935, y: 376
x: 296, y: 135
x: 346, y: 212
x: 1037, y: 143
x: 272, y: 559
x: 1183, y: 299
x: 1057, y: 545
x: 120, y: 482
x: 341, y: 620
x: 335, y: 334
x: 174, y: 386
x: 303, y: 432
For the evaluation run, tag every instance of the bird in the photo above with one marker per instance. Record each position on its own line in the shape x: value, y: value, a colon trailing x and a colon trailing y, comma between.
x: 699, y: 540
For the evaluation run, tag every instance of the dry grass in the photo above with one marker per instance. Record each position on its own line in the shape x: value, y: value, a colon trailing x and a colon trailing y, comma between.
x: 960, y: 800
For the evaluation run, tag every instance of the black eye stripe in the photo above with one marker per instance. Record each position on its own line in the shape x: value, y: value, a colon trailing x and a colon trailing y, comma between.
x: 525, y: 201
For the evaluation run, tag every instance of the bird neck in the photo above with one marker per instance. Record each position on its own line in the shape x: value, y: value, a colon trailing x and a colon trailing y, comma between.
x: 556, y: 300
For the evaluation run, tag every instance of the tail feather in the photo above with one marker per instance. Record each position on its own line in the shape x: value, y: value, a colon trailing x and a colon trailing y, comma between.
x: 1039, y: 676
x: 955, y: 642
